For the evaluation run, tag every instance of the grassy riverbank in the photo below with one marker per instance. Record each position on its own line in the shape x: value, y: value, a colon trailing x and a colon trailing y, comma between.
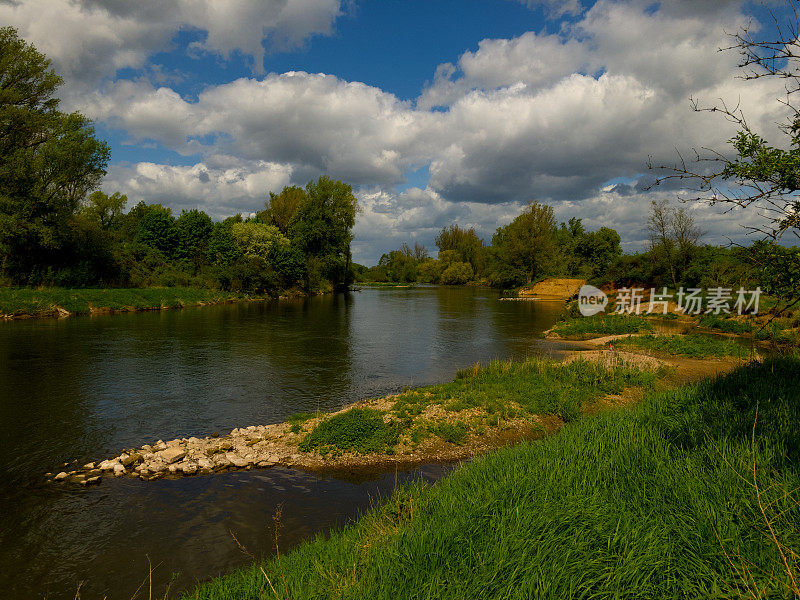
x: 600, y: 325
x: 653, y: 502
x: 482, y: 408
x: 44, y: 302
x: 691, y: 345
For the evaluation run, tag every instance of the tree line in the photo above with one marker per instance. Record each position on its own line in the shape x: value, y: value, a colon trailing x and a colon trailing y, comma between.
x: 55, y: 230
x: 534, y: 246
x: 530, y: 247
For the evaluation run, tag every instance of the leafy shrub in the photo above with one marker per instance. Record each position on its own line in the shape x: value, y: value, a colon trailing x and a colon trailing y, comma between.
x: 456, y: 273
x: 358, y: 429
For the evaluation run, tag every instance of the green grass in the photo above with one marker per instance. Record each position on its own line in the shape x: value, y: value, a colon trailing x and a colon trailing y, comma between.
x: 455, y: 433
x: 534, y: 386
x: 37, y: 302
x: 596, y: 326
x: 479, y: 396
x: 385, y: 284
x: 692, y: 345
x: 638, y: 503
x: 726, y: 325
x: 359, y: 430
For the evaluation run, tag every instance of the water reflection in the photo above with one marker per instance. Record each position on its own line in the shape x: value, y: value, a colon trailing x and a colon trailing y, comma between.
x: 85, y: 387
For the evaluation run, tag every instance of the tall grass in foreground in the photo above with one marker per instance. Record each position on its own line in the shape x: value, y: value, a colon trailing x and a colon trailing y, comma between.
x: 653, y: 502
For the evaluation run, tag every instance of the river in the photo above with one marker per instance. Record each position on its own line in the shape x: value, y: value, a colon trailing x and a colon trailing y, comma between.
x: 86, y: 387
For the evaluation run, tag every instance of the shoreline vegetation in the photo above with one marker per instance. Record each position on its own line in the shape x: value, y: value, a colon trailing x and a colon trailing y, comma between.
x: 484, y: 407
x: 27, y: 303
x: 626, y: 500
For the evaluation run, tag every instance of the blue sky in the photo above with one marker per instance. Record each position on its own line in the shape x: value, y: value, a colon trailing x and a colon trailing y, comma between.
x: 437, y: 112
x: 394, y: 45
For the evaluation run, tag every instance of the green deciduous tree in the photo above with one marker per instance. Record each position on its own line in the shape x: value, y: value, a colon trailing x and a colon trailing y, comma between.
x: 156, y: 229
x: 49, y: 161
x: 281, y: 208
x: 466, y: 243
x: 193, y: 229
x: 322, y: 228
x: 103, y: 209
x: 529, y: 241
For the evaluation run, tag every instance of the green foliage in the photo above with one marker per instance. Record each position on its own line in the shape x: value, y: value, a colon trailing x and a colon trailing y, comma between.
x: 456, y: 273
x: 193, y: 230
x: 222, y: 247
x: 586, y: 254
x: 455, y: 433
x: 49, y: 161
x: 692, y: 345
x: 465, y: 244
x: 600, y: 325
x: 650, y: 502
x: 359, y: 430
x: 321, y: 227
x: 281, y: 208
x: 104, y: 210
x: 529, y: 241
x: 43, y: 301
x: 534, y: 386
x: 156, y: 229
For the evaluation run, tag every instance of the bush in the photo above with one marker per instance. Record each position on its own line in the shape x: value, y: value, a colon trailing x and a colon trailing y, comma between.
x: 457, y: 273
x: 359, y: 430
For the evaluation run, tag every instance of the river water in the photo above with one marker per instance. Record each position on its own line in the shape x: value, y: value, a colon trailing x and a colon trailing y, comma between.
x: 84, y: 388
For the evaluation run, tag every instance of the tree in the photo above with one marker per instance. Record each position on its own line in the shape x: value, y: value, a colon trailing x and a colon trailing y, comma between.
x: 465, y: 242
x: 322, y: 226
x: 49, y: 161
x: 599, y: 250
x: 529, y: 241
x: 193, y: 229
x: 222, y: 248
x: 104, y: 209
x: 673, y: 237
x: 758, y: 174
x: 156, y: 229
x: 456, y: 273
x: 281, y: 208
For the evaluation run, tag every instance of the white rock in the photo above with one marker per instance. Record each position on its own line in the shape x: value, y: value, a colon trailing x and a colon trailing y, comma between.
x: 89, y: 465
x: 188, y: 468
x: 119, y: 470
x: 238, y: 461
x: 61, y: 476
x: 172, y: 454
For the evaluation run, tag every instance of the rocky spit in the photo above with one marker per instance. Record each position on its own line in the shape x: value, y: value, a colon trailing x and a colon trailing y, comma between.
x: 245, y: 448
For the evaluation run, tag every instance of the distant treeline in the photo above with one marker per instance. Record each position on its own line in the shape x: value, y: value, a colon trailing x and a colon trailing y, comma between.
x: 300, y: 240
x: 534, y: 246
x: 54, y: 231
